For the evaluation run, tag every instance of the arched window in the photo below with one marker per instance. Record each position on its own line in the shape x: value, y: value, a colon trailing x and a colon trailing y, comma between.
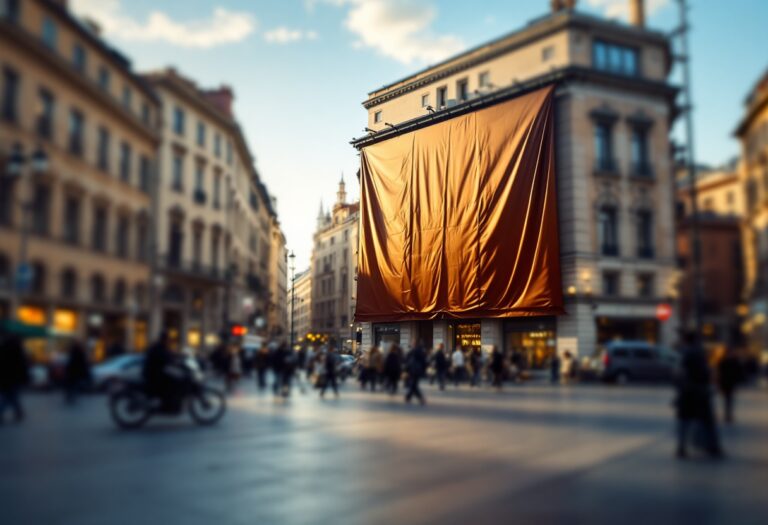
x: 68, y: 287
x: 118, y: 297
x: 38, y: 278
x: 98, y: 288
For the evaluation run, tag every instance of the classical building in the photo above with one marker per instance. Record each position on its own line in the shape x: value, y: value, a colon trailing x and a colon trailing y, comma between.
x: 753, y: 134
x: 720, y: 202
x: 614, y: 107
x: 278, y: 280
x: 69, y: 99
x: 302, y: 305
x: 215, y: 223
x: 333, y: 267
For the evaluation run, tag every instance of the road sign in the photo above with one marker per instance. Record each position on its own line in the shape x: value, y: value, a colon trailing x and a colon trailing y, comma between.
x: 24, y: 275
x: 663, y: 312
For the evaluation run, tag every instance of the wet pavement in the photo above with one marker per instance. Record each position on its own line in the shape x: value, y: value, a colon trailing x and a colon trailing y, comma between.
x: 532, y: 454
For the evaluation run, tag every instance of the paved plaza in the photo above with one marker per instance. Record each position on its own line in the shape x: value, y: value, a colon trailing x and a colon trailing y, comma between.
x: 532, y: 454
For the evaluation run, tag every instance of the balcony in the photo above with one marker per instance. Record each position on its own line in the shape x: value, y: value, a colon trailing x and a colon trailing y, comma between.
x: 192, y: 269
x: 199, y: 197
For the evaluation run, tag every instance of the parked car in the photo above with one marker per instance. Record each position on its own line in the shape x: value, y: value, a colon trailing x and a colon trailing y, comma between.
x: 113, y: 372
x: 624, y: 361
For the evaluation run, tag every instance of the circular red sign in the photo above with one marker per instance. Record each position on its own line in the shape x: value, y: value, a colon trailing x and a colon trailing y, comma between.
x: 663, y: 312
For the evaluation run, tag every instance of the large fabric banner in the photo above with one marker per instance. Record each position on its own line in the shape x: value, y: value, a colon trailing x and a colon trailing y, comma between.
x: 459, y: 219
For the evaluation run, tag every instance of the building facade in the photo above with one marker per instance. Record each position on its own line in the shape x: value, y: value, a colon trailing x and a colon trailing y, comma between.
x: 215, y: 223
x: 301, y: 306
x: 278, y: 281
x: 71, y: 99
x: 614, y: 109
x: 753, y: 134
x: 333, y: 268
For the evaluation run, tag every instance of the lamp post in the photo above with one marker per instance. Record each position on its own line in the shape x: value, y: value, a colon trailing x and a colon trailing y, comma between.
x: 292, y: 257
x: 15, y: 169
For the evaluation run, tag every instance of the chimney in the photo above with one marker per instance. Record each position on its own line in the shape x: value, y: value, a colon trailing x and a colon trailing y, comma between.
x: 637, y: 13
x: 222, y: 98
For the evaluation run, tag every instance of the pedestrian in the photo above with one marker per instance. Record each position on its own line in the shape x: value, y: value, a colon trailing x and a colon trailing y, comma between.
x: 234, y: 366
x: 457, y: 362
x: 393, y: 368
x: 261, y: 364
x: 77, y: 372
x: 373, y: 366
x: 566, y: 367
x: 14, y: 373
x: 440, y: 362
x: 329, y: 372
x: 730, y: 373
x: 497, y: 366
x: 416, y: 366
x: 476, y: 362
x: 554, y: 369
x: 694, y: 401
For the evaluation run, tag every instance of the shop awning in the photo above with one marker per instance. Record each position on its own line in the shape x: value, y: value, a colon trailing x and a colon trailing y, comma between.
x: 28, y: 331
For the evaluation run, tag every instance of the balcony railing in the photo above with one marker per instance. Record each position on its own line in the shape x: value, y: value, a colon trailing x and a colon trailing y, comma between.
x: 610, y: 249
x: 645, y: 252
x: 171, y: 263
x: 642, y: 170
x: 606, y: 167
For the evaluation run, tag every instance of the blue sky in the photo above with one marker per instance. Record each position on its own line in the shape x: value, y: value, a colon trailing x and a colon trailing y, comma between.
x: 301, y: 68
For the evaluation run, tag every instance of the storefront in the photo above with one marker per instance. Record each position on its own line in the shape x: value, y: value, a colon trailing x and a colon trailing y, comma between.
x: 386, y: 334
x: 628, y: 329
x: 532, y: 338
x: 464, y: 334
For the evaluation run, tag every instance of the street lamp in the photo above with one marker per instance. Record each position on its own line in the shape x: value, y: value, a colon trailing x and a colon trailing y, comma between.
x: 15, y: 169
x: 292, y: 257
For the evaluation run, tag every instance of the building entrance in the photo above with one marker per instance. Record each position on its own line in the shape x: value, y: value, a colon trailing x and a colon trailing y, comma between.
x: 465, y: 334
x: 385, y: 335
x: 532, y: 341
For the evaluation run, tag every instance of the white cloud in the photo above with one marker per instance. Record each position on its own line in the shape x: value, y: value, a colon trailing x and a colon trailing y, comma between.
x: 620, y: 8
x: 222, y: 27
x: 285, y: 35
x: 398, y: 29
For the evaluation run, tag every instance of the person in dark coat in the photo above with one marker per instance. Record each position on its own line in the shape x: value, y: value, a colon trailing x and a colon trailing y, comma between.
x: 694, y: 400
x: 393, y: 368
x: 261, y: 363
x: 554, y: 369
x: 416, y: 366
x: 476, y: 363
x: 440, y: 362
x: 158, y: 380
x: 14, y: 373
x: 77, y: 372
x: 497, y: 366
x: 329, y: 372
x: 730, y: 374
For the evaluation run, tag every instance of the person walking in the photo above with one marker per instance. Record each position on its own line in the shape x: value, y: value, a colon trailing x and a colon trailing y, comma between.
x: 375, y: 361
x: 554, y: 369
x: 730, y: 374
x: 694, y: 401
x: 14, y: 373
x: 77, y: 372
x: 440, y: 362
x: 476, y: 362
x: 329, y: 372
x: 566, y: 367
x: 393, y: 368
x: 261, y: 364
x: 497, y: 367
x: 416, y: 366
x: 459, y: 368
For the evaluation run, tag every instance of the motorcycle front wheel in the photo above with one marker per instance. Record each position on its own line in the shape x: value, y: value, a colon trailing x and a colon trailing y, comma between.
x: 129, y: 409
x: 207, y: 406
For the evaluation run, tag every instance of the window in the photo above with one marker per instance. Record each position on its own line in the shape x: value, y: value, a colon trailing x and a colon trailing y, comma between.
x: 603, y: 147
x: 45, y: 116
x: 215, y: 252
x: 610, y: 283
x: 229, y: 152
x: 145, y: 174
x: 425, y: 100
x: 146, y: 114
x: 615, y: 58
x: 75, y: 132
x: 10, y: 94
x: 645, y: 285
x: 201, y: 134
x: 178, y: 121
x: 217, y: 144
x: 217, y: 191
x: 142, y: 236
x: 462, y: 90
x: 68, y: 284
x: 99, y: 231
x: 608, y: 231
x: 41, y: 205
x: 377, y: 117
x: 6, y: 201
x: 9, y: 10
x: 49, y: 32
x: 79, y: 58
x: 102, y: 160
x: 197, y: 247
x: 442, y: 93
x: 38, y: 278
x: 127, y: 97
x: 121, y: 237
x: 71, y: 220
x: 125, y: 162
x: 640, y: 159
x: 642, y: 353
x: 199, y: 194
x: 547, y: 53
x: 118, y: 297
x: 645, y: 234
x: 104, y: 77
x: 484, y: 79
x: 177, y: 177
x: 97, y: 288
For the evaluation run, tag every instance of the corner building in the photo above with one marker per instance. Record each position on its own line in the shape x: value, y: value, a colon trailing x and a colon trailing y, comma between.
x: 613, y: 110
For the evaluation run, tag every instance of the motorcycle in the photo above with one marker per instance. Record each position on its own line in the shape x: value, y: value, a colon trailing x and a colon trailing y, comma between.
x: 131, y: 405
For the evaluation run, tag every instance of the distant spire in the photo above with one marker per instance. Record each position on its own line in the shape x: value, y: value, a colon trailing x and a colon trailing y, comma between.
x: 341, y: 195
x: 321, y: 213
x: 342, y: 178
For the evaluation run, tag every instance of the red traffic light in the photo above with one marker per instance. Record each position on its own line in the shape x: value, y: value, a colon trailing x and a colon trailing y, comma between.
x: 239, y: 330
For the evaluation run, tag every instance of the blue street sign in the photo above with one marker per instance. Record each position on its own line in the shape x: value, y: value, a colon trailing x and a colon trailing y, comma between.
x: 24, y: 276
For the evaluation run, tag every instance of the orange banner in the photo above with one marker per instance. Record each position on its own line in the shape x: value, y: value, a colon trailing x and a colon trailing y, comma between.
x: 459, y: 219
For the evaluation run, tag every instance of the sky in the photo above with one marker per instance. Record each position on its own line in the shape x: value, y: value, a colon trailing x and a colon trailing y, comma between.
x: 300, y: 70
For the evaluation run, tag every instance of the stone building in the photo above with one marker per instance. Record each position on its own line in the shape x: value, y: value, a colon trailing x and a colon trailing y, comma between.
x: 278, y: 280
x: 302, y: 305
x: 333, y: 267
x: 69, y: 98
x: 753, y: 134
x: 614, y: 107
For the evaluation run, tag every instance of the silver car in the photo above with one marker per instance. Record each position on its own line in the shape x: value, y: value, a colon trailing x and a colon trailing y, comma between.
x: 625, y: 361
